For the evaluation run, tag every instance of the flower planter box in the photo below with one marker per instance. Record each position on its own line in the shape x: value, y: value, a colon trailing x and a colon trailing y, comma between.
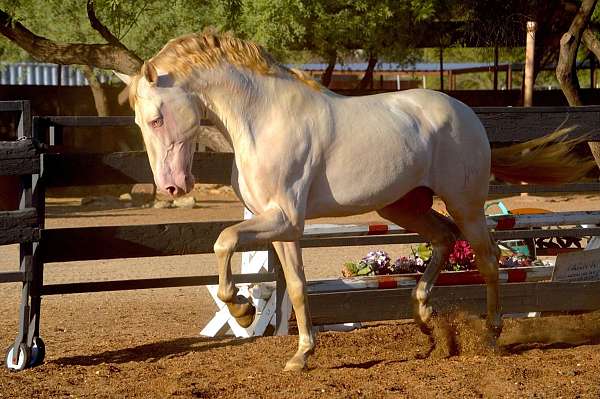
x: 507, y: 275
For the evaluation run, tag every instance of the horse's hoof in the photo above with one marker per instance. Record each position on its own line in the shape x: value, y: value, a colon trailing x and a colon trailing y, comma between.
x: 241, y: 308
x: 491, y: 343
x: 295, y: 365
x: 422, y: 313
x: 246, y: 321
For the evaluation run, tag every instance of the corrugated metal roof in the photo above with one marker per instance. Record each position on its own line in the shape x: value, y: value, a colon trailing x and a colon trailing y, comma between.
x: 394, y: 67
x: 43, y: 74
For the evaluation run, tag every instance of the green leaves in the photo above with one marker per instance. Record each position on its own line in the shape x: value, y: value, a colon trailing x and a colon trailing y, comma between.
x: 144, y: 26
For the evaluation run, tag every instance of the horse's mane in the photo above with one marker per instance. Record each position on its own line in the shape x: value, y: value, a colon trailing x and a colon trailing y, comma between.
x: 208, y: 49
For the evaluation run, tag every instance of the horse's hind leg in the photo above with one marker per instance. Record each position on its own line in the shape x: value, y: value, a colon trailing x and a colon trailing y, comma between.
x: 413, y: 212
x: 470, y: 218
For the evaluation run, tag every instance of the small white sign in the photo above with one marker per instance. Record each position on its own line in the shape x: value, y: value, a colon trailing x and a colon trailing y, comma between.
x: 577, y: 266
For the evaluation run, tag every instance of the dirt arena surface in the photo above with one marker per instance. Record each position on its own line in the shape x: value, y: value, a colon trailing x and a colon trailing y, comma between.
x: 145, y: 343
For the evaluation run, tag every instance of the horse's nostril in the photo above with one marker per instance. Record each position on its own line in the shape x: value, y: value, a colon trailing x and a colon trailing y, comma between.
x: 171, y: 190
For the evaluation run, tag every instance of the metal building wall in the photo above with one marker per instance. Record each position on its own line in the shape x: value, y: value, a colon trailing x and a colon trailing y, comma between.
x: 43, y: 74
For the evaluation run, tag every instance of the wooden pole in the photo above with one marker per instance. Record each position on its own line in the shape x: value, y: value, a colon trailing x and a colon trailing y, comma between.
x: 592, y: 71
x: 528, y: 74
x: 529, y: 57
x: 441, y: 69
x: 496, y: 67
x: 509, y: 77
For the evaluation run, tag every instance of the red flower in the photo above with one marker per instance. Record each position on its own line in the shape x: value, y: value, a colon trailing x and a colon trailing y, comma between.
x: 462, y: 256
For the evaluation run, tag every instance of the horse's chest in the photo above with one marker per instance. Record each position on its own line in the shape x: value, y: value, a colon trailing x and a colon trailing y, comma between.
x: 250, y: 185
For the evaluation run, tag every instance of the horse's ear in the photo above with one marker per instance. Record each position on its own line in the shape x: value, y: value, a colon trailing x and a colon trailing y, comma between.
x: 124, y: 77
x: 149, y: 72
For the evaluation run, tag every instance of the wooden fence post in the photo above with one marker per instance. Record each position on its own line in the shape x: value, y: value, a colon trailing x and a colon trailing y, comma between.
x: 529, y: 63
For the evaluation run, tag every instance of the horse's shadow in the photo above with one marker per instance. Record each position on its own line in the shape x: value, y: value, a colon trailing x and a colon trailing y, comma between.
x: 152, y: 352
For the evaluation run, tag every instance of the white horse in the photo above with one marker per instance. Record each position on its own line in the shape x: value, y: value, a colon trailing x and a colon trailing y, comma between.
x: 303, y: 152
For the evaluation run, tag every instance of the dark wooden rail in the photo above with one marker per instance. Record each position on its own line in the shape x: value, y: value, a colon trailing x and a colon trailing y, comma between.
x: 394, y: 303
x: 19, y: 226
x: 19, y: 158
x: 127, y: 168
x: 513, y: 124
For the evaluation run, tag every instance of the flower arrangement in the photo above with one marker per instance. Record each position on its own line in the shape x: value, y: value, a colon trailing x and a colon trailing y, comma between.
x: 461, y: 258
x: 379, y: 263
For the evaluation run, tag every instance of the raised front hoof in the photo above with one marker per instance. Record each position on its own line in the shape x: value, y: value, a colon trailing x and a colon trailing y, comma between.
x: 246, y: 321
x: 241, y: 307
x: 243, y: 310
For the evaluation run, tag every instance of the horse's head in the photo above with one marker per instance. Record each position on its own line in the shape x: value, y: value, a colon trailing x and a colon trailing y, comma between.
x: 169, y: 117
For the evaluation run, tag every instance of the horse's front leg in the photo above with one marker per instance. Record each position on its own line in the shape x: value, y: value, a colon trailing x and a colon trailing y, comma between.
x: 290, y: 255
x: 271, y: 225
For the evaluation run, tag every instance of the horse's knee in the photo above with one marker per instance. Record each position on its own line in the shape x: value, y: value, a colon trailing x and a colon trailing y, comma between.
x: 295, y: 291
x: 226, y: 242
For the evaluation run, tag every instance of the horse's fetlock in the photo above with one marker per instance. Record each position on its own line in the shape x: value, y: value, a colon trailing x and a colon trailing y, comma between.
x: 227, y: 294
x: 297, y: 230
x: 420, y: 293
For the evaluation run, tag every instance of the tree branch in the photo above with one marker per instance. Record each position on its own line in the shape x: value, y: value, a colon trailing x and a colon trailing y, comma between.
x: 590, y: 40
x: 569, y: 44
x: 105, y: 56
x: 100, y: 27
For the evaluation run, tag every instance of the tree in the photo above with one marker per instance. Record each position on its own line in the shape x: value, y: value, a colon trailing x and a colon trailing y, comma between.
x: 334, y: 30
x: 110, y: 55
x: 68, y: 32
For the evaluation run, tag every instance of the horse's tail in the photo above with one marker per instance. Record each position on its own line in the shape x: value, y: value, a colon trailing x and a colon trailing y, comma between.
x: 545, y: 160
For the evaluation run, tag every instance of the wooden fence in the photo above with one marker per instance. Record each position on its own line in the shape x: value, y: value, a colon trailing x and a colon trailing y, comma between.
x: 24, y: 226
x: 41, y: 245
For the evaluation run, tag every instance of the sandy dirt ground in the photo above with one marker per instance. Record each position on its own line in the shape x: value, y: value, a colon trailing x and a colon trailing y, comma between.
x: 146, y: 344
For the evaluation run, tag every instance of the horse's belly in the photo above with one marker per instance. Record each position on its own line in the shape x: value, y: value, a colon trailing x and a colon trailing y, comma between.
x: 362, y: 189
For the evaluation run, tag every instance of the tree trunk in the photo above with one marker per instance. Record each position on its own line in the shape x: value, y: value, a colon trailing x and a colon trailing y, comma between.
x: 593, y: 44
x: 326, y: 77
x: 367, y: 79
x: 98, y: 92
x: 567, y: 58
x: 105, y: 56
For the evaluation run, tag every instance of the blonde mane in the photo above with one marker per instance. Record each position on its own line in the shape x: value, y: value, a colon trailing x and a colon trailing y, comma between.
x: 209, y: 48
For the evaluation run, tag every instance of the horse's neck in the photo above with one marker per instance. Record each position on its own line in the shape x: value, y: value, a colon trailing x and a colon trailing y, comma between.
x: 234, y: 106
